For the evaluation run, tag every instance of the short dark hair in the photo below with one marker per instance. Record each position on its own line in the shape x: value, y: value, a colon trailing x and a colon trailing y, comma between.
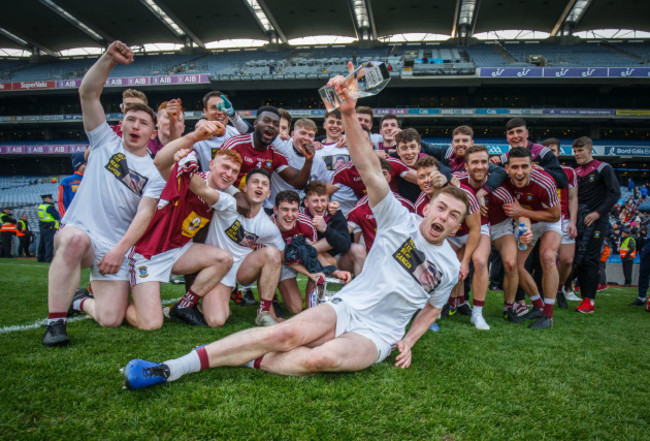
x: 285, y: 114
x: 334, y: 114
x: 209, y: 95
x: 137, y: 107
x: 515, y: 122
x: 476, y: 148
x: 385, y: 165
x: 583, y: 142
x: 365, y: 110
x: 520, y: 152
x: 316, y: 187
x: 551, y: 141
x: 456, y: 193
x: 261, y: 171
x: 408, y: 135
x: 271, y: 109
x: 287, y: 196
x: 390, y: 116
x: 427, y: 161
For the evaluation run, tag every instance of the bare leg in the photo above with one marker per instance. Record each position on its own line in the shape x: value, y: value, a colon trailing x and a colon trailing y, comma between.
x: 216, y: 305
x: 73, y: 251
x: 567, y: 251
x: 108, y: 307
x: 526, y: 281
x: 354, y: 259
x: 212, y: 263
x: 265, y: 264
x: 547, y: 252
x: 507, y: 247
x: 291, y: 295
x: 481, y: 278
x: 348, y: 353
x: 146, y: 310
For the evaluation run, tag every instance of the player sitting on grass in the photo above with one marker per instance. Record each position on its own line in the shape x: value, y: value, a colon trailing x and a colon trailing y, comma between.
x: 411, y: 267
x: 293, y: 224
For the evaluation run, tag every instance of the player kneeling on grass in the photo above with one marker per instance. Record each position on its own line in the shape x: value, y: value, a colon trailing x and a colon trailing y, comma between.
x: 293, y: 224
x: 411, y: 267
x: 166, y: 247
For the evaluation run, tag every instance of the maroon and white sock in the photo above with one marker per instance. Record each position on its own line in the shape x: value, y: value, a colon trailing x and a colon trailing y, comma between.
x: 537, y: 301
x: 461, y: 300
x: 453, y: 302
x: 548, y: 307
x: 56, y: 316
x: 189, y: 300
x: 78, y: 304
x: 507, y: 306
x: 265, y: 305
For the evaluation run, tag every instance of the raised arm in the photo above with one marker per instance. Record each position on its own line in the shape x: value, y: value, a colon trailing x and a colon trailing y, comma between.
x: 94, y: 80
x: 164, y: 159
x: 360, y: 149
x: 299, y: 178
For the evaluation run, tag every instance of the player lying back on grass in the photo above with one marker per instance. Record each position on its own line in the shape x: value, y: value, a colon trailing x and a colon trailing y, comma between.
x: 411, y: 267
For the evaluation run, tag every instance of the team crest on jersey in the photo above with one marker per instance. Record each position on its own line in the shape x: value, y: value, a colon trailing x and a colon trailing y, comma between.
x: 335, y: 300
x: 596, y: 234
x: 426, y: 273
x: 192, y: 224
x: 592, y: 178
x: 142, y: 270
x: 529, y: 197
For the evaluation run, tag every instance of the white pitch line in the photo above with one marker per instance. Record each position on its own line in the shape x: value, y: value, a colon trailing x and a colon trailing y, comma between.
x: 39, y: 323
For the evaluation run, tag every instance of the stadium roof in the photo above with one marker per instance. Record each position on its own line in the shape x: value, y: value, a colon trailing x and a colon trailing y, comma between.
x: 51, y: 26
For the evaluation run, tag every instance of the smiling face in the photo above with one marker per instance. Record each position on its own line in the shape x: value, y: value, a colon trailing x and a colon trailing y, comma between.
x: 164, y: 123
x: 286, y: 215
x: 460, y: 143
x: 211, y: 112
x: 303, y: 136
x: 425, y: 179
x: 442, y: 218
x: 388, y: 129
x: 333, y: 128
x: 137, y: 129
x: 519, y: 171
x: 408, y: 152
x: 517, y: 136
x: 223, y: 172
x: 316, y: 204
x: 477, y: 164
x: 365, y: 120
x: 267, y: 126
x: 284, y: 127
x: 257, y: 188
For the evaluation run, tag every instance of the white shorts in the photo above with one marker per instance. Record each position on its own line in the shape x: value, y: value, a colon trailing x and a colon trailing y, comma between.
x: 287, y: 273
x: 540, y: 228
x: 501, y: 229
x: 156, y: 269
x: 458, y: 241
x: 566, y: 240
x: 485, y: 230
x: 230, y: 279
x: 347, y: 320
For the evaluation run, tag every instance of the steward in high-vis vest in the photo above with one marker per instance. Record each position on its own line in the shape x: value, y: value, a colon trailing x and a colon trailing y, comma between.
x: 25, y: 235
x: 48, y: 223
x: 7, y: 231
x: 628, y: 253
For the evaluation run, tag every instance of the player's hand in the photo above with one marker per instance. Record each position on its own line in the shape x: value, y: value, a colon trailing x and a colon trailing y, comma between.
x: 464, y: 271
x: 513, y: 209
x: 208, y: 129
x: 342, y: 142
x: 591, y: 218
x: 333, y: 207
x: 381, y: 154
x: 226, y: 107
x: 403, y: 359
x: 317, y: 145
x: 181, y: 154
x: 345, y: 276
x: 174, y: 109
x: 120, y: 52
x: 111, y: 262
x: 317, y: 278
x: 308, y: 152
x: 284, y: 136
x: 319, y: 223
x: 495, y: 160
x: 527, y: 237
x: 572, y: 230
x: 481, y: 197
x: 344, y: 88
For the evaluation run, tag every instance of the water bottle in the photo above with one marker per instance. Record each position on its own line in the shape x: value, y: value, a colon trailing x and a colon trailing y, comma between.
x: 520, y: 232
x: 374, y: 78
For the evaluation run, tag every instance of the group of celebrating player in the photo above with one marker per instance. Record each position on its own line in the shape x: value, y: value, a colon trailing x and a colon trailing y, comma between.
x: 401, y: 223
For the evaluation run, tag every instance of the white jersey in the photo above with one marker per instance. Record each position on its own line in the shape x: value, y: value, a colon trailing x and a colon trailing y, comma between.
x: 402, y: 272
x: 295, y: 160
x: 333, y: 156
x: 114, y: 182
x: 376, y: 138
x: 237, y: 234
x: 205, y: 150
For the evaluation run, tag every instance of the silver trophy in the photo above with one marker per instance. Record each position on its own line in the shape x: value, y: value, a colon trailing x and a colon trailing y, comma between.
x: 372, y: 77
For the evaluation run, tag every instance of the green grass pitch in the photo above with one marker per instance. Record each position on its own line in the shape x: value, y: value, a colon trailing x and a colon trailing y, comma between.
x: 586, y: 379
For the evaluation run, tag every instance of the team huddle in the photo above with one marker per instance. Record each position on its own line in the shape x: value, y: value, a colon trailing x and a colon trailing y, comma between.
x: 407, y: 227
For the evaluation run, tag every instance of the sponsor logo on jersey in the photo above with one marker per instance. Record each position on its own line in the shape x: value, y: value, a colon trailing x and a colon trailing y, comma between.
x: 142, y: 270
